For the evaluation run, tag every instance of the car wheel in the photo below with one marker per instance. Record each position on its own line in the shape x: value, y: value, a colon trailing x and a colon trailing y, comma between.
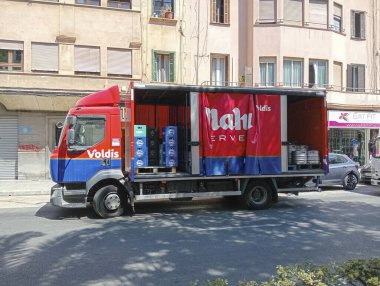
x: 109, y: 202
x: 350, y: 182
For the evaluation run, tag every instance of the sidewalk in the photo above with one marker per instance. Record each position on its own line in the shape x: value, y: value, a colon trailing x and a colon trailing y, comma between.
x: 25, y: 187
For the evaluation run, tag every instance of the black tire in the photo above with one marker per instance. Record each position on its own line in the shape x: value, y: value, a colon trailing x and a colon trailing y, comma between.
x: 350, y: 182
x: 109, y: 202
x: 258, y: 195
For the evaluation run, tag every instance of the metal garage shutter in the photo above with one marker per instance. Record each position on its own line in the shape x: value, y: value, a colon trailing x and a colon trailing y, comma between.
x: 8, y: 147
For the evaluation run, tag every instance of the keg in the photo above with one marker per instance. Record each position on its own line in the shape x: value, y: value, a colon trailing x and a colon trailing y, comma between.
x: 313, y: 157
x: 291, y: 149
x: 303, y: 148
x: 299, y: 157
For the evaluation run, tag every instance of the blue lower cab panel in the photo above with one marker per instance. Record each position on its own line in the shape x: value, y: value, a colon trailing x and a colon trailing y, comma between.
x: 240, y: 166
x: 78, y: 170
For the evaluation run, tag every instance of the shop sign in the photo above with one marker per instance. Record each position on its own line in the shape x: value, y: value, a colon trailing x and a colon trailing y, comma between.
x: 347, y: 119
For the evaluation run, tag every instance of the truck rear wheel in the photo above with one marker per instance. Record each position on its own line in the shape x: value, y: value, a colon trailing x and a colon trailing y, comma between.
x: 109, y: 202
x: 258, y: 195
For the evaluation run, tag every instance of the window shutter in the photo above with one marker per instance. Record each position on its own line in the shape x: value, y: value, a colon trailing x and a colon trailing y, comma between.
x: 44, y: 57
x: 154, y: 69
x: 362, y: 25
x: 293, y: 11
x: 266, y: 11
x: 361, y: 78
x: 226, y: 11
x: 213, y: 11
x: 349, y: 77
x: 318, y: 13
x: 337, y: 10
x: 87, y: 59
x: 11, y: 45
x: 352, y: 24
x: 119, y: 62
x: 171, y: 67
x: 338, y: 75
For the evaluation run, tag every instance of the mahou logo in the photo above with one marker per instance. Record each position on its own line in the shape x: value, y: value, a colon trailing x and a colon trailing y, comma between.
x: 232, y: 121
x: 103, y: 154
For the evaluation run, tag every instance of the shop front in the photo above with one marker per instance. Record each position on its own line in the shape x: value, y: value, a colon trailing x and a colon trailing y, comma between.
x: 352, y: 133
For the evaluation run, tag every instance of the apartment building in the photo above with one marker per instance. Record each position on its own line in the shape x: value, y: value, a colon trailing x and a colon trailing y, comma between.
x: 324, y: 44
x: 54, y: 51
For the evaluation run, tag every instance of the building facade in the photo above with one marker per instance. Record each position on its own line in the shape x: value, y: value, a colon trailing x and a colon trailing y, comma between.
x: 52, y: 52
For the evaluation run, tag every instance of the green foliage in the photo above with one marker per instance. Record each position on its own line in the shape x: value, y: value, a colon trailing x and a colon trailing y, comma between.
x: 353, y: 272
x: 360, y: 272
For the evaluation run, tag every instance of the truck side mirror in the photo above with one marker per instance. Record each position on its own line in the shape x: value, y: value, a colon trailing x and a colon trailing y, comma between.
x: 71, y: 120
x: 70, y: 137
x: 58, y: 131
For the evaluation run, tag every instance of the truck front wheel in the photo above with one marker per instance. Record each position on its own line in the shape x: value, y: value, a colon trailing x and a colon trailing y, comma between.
x: 258, y: 195
x: 109, y: 202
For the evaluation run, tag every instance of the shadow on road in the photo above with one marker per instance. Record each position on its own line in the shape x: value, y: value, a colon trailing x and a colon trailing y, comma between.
x: 172, y: 243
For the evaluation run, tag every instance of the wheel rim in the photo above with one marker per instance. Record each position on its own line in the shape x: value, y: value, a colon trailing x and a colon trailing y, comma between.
x: 112, y: 202
x: 351, y: 181
x: 259, y: 195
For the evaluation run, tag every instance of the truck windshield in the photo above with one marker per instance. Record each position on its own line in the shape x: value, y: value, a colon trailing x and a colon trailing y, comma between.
x: 376, y: 154
x: 88, y: 131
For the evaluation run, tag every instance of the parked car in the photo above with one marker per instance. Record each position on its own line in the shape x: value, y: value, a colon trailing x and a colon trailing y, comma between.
x: 365, y: 173
x: 343, y: 171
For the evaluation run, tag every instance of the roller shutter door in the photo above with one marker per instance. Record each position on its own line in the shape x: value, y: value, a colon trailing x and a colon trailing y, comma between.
x: 8, y: 147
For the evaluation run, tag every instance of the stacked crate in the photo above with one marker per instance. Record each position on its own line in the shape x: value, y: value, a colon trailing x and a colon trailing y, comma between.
x: 141, y: 147
x: 170, y: 146
x: 153, y: 147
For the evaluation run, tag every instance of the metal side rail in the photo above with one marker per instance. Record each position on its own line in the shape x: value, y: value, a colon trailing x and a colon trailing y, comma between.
x: 299, y: 190
x: 186, y: 195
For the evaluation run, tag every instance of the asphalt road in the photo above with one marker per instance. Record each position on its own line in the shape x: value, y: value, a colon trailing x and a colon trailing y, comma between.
x: 172, y: 243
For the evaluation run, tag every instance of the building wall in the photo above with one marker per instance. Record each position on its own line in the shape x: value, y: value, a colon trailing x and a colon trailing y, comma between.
x: 32, y: 95
x: 87, y: 25
x: 282, y: 40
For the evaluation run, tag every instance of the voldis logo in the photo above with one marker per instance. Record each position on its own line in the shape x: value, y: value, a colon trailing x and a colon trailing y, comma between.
x: 103, y: 154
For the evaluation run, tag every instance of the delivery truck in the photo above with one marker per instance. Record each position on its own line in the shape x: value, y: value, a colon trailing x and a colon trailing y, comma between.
x: 181, y: 142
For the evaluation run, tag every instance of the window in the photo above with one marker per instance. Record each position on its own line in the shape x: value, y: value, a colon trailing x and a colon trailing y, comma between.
x: 11, y: 56
x: 119, y: 62
x: 337, y: 159
x: 44, y: 57
x: 119, y: 4
x: 356, y: 78
x: 293, y: 12
x: 163, y: 66
x: 318, y: 13
x: 267, y: 71
x: 267, y: 11
x: 357, y: 25
x: 338, y: 76
x: 219, y: 70
x: 163, y: 8
x: 89, y: 131
x: 88, y: 2
x: 293, y: 72
x: 87, y: 60
x: 220, y: 11
x: 337, y: 27
x: 318, y: 72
